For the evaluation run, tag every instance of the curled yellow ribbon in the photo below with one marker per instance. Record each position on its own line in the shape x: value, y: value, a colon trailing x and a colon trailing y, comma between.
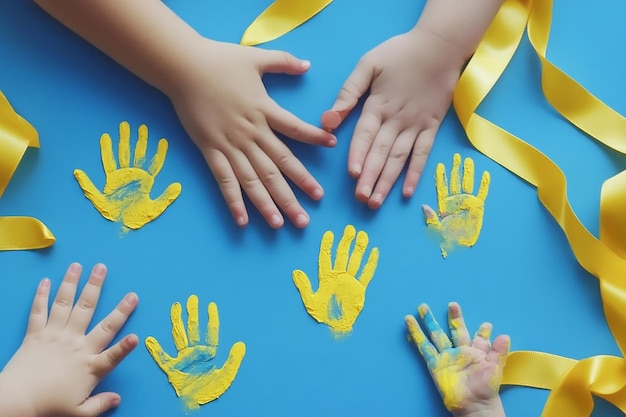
x: 572, y: 382
x: 16, y: 135
x: 281, y: 17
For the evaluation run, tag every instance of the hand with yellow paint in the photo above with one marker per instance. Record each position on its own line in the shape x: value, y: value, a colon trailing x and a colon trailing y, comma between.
x: 126, y: 196
x: 467, y: 372
x: 460, y: 216
x: 340, y: 296
x: 192, y: 372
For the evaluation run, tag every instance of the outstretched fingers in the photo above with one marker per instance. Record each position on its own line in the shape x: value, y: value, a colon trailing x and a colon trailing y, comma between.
x: 101, y: 335
x: 64, y: 300
x: 425, y: 348
x: 500, y: 350
x: 106, y: 361
x: 39, y: 310
x: 458, y: 330
x: 482, y: 337
x: 85, y: 307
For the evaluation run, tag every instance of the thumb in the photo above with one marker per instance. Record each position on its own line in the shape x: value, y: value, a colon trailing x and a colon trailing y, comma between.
x: 281, y: 62
x: 99, y: 404
x: 352, y: 90
x: 430, y: 216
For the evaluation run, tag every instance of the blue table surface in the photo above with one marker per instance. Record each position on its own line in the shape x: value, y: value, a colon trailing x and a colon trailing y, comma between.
x: 521, y: 275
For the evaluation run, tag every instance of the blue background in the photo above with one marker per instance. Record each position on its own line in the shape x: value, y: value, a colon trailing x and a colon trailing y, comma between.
x: 521, y: 275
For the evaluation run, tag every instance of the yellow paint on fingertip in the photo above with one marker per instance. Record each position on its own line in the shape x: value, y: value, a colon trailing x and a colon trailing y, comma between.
x: 484, y: 331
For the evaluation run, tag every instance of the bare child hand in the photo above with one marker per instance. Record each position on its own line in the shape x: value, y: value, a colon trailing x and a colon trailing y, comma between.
x: 222, y: 102
x: 410, y: 78
x: 56, y: 368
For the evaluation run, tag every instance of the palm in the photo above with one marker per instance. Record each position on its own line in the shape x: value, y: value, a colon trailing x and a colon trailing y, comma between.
x: 474, y: 373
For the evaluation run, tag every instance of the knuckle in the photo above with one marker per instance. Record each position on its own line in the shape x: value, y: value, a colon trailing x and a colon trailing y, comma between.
x: 107, y: 326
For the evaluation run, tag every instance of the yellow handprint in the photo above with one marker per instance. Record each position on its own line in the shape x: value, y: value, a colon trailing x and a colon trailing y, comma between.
x: 126, y: 197
x: 192, y: 372
x: 340, y: 296
x: 460, y: 213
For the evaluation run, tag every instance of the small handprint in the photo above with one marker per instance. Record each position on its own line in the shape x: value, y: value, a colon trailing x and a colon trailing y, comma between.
x: 465, y: 371
x: 126, y: 197
x: 340, y: 296
x: 192, y: 372
x: 460, y: 216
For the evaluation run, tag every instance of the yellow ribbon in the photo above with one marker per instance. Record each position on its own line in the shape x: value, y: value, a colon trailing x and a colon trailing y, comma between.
x: 572, y: 382
x: 281, y: 17
x: 16, y: 135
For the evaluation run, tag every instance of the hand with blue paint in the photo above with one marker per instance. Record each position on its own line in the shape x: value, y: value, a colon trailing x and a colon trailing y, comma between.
x: 467, y: 372
x: 57, y: 367
x: 340, y: 296
x: 192, y: 372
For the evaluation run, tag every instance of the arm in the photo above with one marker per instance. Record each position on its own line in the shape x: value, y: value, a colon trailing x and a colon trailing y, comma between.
x: 218, y: 93
x: 57, y: 367
x: 467, y: 372
x: 410, y: 78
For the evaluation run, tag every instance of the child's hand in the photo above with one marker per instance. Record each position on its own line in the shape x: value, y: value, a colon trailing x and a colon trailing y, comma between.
x: 222, y: 102
x: 57, y: 366
x: 467, y: 372
x: 411, y: 78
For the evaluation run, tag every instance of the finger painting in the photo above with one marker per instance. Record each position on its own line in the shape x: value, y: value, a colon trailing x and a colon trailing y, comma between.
x: 126, y: 195
x: 340, y: 295
x: 192, y: 372
x: 459, y: 217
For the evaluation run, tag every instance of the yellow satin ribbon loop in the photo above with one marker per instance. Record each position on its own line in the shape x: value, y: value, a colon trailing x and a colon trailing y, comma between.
x: 572, y: 382
x: 281, y: 17
x: 16, y: 135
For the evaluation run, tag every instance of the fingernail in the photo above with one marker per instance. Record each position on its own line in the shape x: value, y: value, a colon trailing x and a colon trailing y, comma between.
x: 302, y: 220
x: 44, y: 284
x: 75, y: 268
x: 241, y: 221
x: 276, y: 221
x: 355, y: 169
x: 99, y: 269
x: 408, y: 191
x: 317, y: 193
x: 366, y: 191
x: 131, y: 299
x: 305, y: 63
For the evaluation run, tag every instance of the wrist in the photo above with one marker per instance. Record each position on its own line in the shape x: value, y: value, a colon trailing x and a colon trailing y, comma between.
x: 489, y: 408
x: 13, y: 402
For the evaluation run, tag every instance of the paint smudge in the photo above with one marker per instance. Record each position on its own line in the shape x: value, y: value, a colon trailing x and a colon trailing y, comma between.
x: 126, y: 195
x: 460, y: 214
x: 340, y: 295
x: 192, y: 372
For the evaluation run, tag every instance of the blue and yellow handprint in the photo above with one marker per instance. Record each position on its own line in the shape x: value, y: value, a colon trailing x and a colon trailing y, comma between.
x: 192, y: 372
x: 340, y: 296
x: 460, y: 216
x: 126, y: 196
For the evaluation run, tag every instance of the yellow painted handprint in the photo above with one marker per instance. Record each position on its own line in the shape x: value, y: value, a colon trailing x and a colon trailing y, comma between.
x: 460, y: 215
x: 126, y: 197
x: 192, y: 372
x: 340, y: 296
